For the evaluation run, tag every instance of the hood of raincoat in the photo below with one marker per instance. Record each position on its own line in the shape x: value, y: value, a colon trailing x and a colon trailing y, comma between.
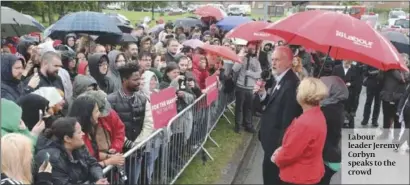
x: 7, y: 62
x: 31, y: 104
x: 11, y: 122
x: 337, y: 90
x: 147, y: 76
x: 93, y: 64
x: 112, y: 57
x: 81, y: 83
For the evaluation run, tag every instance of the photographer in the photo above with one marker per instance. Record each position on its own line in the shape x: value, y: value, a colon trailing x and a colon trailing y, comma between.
x: 248, y: 71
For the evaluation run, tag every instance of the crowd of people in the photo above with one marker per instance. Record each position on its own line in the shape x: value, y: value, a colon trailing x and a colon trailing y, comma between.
x: 72, y: 107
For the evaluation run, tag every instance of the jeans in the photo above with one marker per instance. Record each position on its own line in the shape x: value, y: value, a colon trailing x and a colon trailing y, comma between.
x: 243, y: 107
x: 133, y: 169
x: 151, y: 157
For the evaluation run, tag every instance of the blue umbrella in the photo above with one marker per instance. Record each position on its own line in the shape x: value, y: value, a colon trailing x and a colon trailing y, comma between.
x: 230, y: 22
x: 92, y: 23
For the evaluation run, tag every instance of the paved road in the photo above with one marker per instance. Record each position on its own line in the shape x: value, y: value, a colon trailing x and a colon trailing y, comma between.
x: 251, y: 170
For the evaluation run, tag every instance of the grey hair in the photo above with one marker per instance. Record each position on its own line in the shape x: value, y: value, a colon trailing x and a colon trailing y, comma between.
x: 49, y: 55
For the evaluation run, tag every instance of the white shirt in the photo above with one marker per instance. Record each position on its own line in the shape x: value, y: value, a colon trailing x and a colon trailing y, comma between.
x: 278, y: 78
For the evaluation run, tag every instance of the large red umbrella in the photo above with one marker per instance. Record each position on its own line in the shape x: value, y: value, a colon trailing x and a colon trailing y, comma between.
x: 250, y: 31
x: 222, y: 51
x: 340, y: 35
x: 210, y: 11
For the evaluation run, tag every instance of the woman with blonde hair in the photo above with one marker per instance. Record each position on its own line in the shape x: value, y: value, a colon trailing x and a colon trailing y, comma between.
x: 298, y: 68
x: 300, y: 158
x: 16, y: 162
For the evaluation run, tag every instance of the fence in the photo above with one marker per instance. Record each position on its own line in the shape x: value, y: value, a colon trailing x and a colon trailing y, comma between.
x: 162, y: 157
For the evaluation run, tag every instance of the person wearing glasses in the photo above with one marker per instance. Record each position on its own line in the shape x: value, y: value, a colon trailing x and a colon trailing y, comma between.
x: 98, y: 66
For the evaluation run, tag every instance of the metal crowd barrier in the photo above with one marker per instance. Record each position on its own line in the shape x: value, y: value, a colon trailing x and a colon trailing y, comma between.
x: 162, y: 157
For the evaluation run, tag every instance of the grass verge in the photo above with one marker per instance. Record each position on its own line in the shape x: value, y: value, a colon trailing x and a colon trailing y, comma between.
x: 210, y: 172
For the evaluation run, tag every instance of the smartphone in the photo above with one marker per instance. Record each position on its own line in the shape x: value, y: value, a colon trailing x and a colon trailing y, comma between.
x: 40, y: 115
x: 47, y: 159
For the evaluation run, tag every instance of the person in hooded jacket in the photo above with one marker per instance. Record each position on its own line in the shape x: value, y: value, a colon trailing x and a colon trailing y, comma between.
x: 11, y: 74
x: 332, y: 108
x: 98, y: 65
x: 82, y: 84
x: 70, y: 40
x: 70, y: 160
x: 265, y: 55
x: 25, y: 48
x: 69, y: 63
x: 116, y: 59
x: 12, y: 123
x: 33, y: 106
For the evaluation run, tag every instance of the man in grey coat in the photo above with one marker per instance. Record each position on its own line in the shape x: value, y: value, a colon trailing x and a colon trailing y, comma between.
x: 247, y: 73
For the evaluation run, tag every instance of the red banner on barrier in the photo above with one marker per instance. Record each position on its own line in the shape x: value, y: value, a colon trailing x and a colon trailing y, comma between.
x: 163, y: 107
x: 211, y: 84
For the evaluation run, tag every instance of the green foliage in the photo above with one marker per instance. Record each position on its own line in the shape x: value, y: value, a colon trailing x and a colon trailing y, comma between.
x: 350, y: 3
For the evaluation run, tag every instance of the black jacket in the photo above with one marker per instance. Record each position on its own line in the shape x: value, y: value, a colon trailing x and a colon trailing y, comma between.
x: 44, y: 82
x: 394, y: 86
x: 130, y: 110
x: 104, y: 82
x: 66, y: 170
x: 373, y: 78
x: 280, y: 109
x: 334, y: 115
x: 11, y: 88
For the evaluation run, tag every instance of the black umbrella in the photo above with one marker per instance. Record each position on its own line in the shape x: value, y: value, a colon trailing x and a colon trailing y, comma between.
x: 399, y: 40
x: 14, y: 23
x: 92, y: 23
x: 126, y: 38
x: 122, y: 24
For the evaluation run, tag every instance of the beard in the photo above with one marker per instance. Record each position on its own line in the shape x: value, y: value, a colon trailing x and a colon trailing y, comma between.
x: 274, y: 71
x: 52, y: 75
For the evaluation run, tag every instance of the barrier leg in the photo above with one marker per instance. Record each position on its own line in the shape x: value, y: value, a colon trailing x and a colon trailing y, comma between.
x: 226, y: 117
x: 207, y: 153
x: 213, y: 141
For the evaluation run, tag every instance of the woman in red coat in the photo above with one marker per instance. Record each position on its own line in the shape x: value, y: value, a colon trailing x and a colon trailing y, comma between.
x: 200, y: 69
x: 300, y: 158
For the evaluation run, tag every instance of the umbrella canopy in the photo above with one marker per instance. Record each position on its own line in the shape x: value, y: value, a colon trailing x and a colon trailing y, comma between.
x: 92, y: 23
x: 14, y: 23
x: 188, y: 22
x: 399, y: 40
x: 340, y: 35
x: 35, y: 22
x: 210, y: 11
x: 230, y: 22
x: 157, y: 28
x: 126, y: 38
x: 121, y: 24
x: 193, y: 43
x: 250, y: 32
x: 222, y: 51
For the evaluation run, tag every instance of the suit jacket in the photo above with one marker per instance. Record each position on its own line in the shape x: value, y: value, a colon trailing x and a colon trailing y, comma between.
x: 280, y: 109
x: 349, y: 77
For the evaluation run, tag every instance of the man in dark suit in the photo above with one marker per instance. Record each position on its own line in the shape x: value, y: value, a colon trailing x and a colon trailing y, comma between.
x: 374, y: 85
x: 280, y: 108
x: 348, y: 73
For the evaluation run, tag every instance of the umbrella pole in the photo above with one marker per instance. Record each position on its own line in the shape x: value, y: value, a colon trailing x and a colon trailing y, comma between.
x: 18, y: 34
x: 327, y: 57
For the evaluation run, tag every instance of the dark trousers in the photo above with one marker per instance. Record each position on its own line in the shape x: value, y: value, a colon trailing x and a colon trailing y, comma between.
x: 372, y: 94
x: 406, y: 116
x: 243, y: 106
x: 389, y: 115
x: 270, y: 171
x: 358, y: 90
x: 327, y: 177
